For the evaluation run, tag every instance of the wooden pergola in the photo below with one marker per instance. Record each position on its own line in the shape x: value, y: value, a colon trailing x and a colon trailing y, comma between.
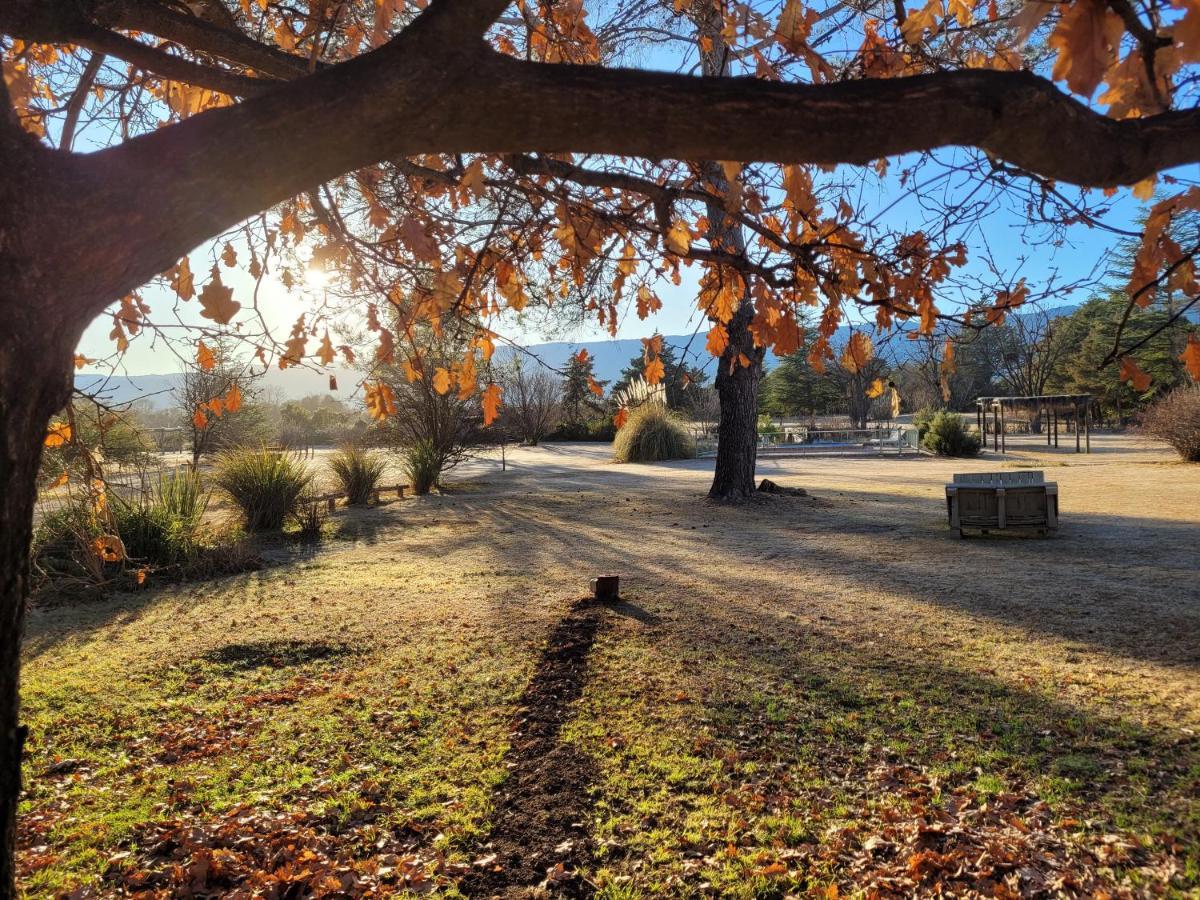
x: 1052, y: 408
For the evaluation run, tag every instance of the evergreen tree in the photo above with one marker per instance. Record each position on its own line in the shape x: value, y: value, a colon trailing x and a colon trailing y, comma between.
x: 794, y: 388
x: 1091, y: 332
x: 579, y: 403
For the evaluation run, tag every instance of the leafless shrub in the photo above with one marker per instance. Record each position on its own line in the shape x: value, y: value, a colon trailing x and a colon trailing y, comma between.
x: 1176, y: 419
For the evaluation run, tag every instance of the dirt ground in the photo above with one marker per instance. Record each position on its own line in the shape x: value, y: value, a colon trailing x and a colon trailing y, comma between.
x: 792, y: 696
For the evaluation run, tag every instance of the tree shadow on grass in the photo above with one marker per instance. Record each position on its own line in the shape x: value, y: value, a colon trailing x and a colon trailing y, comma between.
x: 850, y: 760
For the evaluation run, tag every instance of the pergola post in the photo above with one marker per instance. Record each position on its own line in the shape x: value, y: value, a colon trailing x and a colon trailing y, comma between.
x: 1055, y: 429
x: 1077, y: 438
x: 1003, y: 431
x: 1048, y: 414
x: 996, y: 427
x: 1087, y: 426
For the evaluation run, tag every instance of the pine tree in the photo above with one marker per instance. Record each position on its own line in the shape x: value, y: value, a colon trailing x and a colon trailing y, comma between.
x: 579, y: 402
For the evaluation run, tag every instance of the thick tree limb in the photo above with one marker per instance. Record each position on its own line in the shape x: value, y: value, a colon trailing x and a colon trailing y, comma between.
x: 416, y: 95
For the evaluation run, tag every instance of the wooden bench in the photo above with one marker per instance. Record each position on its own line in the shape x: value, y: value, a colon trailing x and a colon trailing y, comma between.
x: 1001, y: 501
x: 331, y: 499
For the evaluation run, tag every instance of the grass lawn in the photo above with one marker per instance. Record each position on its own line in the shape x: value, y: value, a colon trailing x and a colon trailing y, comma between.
x: 827, y: 694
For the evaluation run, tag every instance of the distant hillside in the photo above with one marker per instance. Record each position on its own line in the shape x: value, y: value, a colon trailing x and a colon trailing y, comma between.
x: 610, y: 357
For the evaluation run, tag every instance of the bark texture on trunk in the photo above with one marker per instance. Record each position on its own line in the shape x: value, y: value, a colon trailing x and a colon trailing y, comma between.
x: 38, y: 334
x: 737, y: 383
x: 32, y: 387
x: 737, y: 435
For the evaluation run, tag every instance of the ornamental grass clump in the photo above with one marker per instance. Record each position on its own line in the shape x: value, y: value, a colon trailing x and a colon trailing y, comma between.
x: 264, y: 484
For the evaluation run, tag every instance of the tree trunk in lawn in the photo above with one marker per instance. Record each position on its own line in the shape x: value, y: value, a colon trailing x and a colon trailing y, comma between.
x: 33, y: 386
x: 737, y: 384
x: 737, y: 435
x: 38, y: 334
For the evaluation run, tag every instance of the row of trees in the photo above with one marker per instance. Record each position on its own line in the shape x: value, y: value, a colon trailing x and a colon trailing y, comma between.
x: 1030, y: 354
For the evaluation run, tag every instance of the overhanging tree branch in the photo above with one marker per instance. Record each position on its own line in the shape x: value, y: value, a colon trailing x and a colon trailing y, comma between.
x: 415, y: 96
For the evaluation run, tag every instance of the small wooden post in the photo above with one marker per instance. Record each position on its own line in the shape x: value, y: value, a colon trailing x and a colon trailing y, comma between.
x: 1056, y: 429
x: 374, y: 498
x: 1003, y: 432
x: 996, y: 428
x: 606, y: 587
x: 400, y: 491
x: 1087, y: 427
x: 1047, y: 426
x: 1077, y: 448
x: 331, y: 504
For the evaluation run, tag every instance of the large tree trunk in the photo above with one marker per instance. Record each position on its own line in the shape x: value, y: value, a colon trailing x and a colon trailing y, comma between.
x: 737, y: 384
x: 38, y: 334
x: 33, y: 386
x: 737, y: 435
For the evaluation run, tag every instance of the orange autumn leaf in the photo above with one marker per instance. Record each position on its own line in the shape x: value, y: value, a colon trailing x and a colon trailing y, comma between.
x: 678, y: 239
x: 229, y: 255
x: 199, y: 419
x: 647, y: 302
x: 859, y: 351
x: 1130, y: 372
x: 205, y: 358
x: 595, y: 387
x: 1187, y: 32
x: 182, y: 281
x: 412, y: 369
x: 491, y: 403
x: 59, y: 481
x: 325, y: 354
x: 380, y: 400
x: 233, y: 399
x: 621, y: 418
x: 876, y: 388
x: 582, y: 356
x: 81, y: 361
x: 1087, y: 37
x: 441, y: 380
x: 59, y: 433
x: 217, y: 300
x: 109, y: 548
x: 655, y: 371
x: 795, y: 23
x: 1191, y: 357
x: 718, y: 340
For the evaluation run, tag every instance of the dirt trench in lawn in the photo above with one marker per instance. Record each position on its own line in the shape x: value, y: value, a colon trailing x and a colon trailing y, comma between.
x: 540, y: 834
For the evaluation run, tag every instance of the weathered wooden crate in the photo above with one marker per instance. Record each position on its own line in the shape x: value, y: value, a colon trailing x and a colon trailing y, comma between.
x: 1002, y: 501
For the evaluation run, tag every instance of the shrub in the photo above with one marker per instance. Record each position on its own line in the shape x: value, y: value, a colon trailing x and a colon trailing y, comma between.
x: 947, y: 435
x: 309, y: 516
x: 264, y: 484
x: 602, y: 430
x: 423, y: 464
x: 161, y: 533
x: 1175, y: 418
x: 358, y: 472
x: 766, y: 426
x: 151, y: 535
x: 921, y: 418
x: 182, y: 496
x: 63, y: 540
x: 653, y: 433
